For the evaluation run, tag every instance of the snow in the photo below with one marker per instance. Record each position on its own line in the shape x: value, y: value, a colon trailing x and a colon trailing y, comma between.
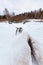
x: 14, y: 49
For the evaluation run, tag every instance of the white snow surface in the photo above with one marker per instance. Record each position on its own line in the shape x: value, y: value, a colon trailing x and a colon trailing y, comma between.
x: 14, y: 48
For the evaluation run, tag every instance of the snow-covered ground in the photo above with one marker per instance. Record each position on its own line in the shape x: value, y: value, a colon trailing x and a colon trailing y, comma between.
x: 14, y: 49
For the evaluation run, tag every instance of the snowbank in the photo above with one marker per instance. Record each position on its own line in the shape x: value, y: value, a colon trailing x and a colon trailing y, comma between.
x: 14, y: 49
x: 37, y: 51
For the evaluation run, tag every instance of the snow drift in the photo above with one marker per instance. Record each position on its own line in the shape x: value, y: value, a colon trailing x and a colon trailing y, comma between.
x: 14, y: 49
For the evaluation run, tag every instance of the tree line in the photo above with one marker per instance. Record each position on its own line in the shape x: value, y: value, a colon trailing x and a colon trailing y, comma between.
x: 37, y: 14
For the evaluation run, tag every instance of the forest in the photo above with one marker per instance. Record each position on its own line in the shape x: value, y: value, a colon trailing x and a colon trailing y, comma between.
x: 36, y: 14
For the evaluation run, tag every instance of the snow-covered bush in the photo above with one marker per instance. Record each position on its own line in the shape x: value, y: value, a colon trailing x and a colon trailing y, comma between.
x: 19, y: 29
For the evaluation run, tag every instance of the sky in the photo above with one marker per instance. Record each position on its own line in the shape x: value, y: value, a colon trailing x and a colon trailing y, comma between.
x: 20, y: 6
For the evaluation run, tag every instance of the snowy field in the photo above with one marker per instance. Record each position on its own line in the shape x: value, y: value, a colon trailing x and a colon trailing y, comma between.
x: 14, y: 48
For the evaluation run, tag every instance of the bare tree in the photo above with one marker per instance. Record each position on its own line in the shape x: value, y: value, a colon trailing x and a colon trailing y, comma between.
x: 6, y: 13
x: 13, y: 14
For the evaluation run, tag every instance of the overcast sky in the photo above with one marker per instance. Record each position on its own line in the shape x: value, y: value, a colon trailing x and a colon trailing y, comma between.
x: 19, y: 6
